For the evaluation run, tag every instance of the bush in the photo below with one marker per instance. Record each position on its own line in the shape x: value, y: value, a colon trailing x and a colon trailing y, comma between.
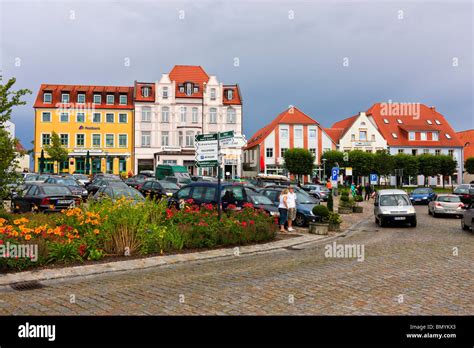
x: 334, y: 218
x: 330, y: 203
x: 358, y: 198
x: 321, y: 211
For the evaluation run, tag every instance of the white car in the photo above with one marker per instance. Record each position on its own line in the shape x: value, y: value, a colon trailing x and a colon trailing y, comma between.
x: 446, y: 204
x: 393, y: 206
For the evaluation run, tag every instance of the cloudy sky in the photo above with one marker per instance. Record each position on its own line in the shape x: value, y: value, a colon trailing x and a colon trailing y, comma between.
x: 289, y: 52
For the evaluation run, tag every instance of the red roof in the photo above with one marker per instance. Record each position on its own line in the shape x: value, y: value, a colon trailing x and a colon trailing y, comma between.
x: 428, y: 120
x: 291, y: 115
x: 345, y: 123
x: 188, y: 73
x: 467, y: 139
x: 335, y: 133
x: 73, y: 91
x: 236, y: 98
x: 339, y: 128
x: 139, y: 92
x: 19, y: 147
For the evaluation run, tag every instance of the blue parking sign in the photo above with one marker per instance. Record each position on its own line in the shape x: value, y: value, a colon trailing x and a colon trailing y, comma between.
x: 374, y: 178
x: 334, y: 173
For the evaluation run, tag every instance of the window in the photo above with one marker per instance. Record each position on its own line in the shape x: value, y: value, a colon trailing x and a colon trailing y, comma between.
x: 184, y: 193
x: 434, y: 136
x: 96, y: 140
x: 64, y: 139
x: 196, y: 89
x: 165, y: 93
x: 385, y: 121
x: 81, y: 98
x: 109, y: 140
x: 353, y: 137
x: 231, y: 115
x: 414, y: 152
x: 45, y: 139
x: 189, y: 138
x: 282, y: 151
x: 437, y: 122
x: 423, y: 136
x: 451, y: 153
x: 180, y: 138
x: 269, y: 152
x: 47, y: 97
x: 65, y: 98
x: 429, y: 122
x: 195, y: 115
x: 230, y: 94
x: 312, y: 133
x: 437, y: 152
x: 284, y: 133
x: 189, y: 88
x: 146, y: 114
x: 123, y: 99
x: 110, y: 99
x: 411, y: 135
x: 213, y: 115
x: 362, y: 124
x: 109, y: 118
x: 213, y: 94
x: 64, y: 117
x: 97, y: 99
x: 372, y: 137
x: 401, y: 151
x: 204, y: 194
x: 80, y: 140
x: 123, y: 140
x: 394, y: 135
x: 165, y: 138
x: 46, y: 117
x: 165, y: 114
x: 123, y: 118
x: 80, y: 117
x: 448, y: 136
x: 426, y: 151
x: 146, y: 139
x: 298, y: 133
x: 96, y: 118
x: 183, y: 114
x: 363, y: 135
x: 181, y: 89
x: 399, y: 121
x: 146, y: 92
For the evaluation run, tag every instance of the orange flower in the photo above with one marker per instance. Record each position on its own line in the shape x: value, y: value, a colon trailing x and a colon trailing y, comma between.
x: 2, y: 221
x: 96, y: 231
x: 21, y: 221
x: 27, y: 237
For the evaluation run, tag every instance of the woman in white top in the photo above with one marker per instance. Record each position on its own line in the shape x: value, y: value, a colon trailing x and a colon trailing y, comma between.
x: 283, y: 209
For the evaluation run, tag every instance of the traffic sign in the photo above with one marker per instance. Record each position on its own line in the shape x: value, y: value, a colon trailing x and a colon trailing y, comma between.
x: 374, y: 178
x: 205, y: 137
x: 206, y: 164
x: 226, y: 135
x: 334, y: 173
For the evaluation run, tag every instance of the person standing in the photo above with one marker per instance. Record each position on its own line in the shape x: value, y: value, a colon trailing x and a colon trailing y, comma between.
x: 283, y: 209
x: 291, y: 208
x: 368, y: 191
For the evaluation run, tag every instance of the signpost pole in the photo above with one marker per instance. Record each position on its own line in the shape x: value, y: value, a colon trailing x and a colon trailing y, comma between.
x: 219, y: 212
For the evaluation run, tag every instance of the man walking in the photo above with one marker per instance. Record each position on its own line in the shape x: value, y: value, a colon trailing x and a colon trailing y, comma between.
x: 368, y: 191
x: 291, y: 201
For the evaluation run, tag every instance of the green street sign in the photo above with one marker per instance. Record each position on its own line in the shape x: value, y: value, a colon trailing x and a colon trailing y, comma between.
x: 201, y: 164
x: 206, y: 137
x: 226, y: 135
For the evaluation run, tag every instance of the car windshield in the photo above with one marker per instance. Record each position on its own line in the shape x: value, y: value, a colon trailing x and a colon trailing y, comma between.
x: 259, y: 199
x: 304, y: 198
x: 461, y: 190
x: 31, y: 177
x: 169, y: 185
x: 56, y: 190
x: 394, y: 200
x: 42, y: 177
x: 421, y: 191
x: 126, y: 192
x: 67, y: 182
x: 449, y: 199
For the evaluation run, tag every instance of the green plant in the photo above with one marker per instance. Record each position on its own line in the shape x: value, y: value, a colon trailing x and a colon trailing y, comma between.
x: 321, y: 211
x: 330, y: 203
x: 63, y: 252
x: 358, y: 198
x: 95, y: 254
x: 334, y: 218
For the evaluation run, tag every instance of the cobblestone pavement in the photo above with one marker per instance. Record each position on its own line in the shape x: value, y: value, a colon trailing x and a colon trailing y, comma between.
x: 405, y: 271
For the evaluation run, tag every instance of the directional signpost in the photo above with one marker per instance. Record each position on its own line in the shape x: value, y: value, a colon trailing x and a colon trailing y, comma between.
x: 208, y: 154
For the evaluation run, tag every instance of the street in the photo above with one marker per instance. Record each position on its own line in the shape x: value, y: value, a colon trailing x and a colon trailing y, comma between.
x: 426, y: 270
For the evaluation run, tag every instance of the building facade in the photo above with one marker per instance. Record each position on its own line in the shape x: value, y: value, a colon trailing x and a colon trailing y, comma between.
x: 467, y: 140
x: 98, y: 120
x: 290, y: 129
x: 23, y: 158
x: 180, y: 105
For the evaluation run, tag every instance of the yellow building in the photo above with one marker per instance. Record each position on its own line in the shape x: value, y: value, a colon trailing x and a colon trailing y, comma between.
x: 98, y: 120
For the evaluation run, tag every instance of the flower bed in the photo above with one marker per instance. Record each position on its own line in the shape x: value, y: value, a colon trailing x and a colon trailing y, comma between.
x: 126, y: 228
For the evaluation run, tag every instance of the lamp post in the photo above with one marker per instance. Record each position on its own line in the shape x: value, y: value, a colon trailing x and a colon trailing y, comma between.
x: 324, y: 169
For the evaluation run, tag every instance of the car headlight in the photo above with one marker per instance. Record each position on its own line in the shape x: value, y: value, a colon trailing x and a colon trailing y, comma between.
x: 425, y: 197
x: 385, y: 212
x: 411, y: 210
x: 84, y: 192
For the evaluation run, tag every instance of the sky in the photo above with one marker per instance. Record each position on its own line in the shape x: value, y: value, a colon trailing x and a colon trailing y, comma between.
x: 331, y: 59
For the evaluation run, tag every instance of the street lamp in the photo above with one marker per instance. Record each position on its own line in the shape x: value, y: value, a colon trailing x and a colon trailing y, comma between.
x: 324, y: 169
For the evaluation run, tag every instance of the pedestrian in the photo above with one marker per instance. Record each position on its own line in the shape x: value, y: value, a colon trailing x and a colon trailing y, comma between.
x: 353, y: 189
x: 329, y: 185
x: 368, y: 191
x: 283, y: 209
x: 291, y: 208
x: 359, y: 190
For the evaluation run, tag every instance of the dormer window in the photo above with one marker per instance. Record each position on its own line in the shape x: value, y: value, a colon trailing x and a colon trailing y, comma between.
x: 123, y: 99
x: 399, y: 121
x: 189, y: 88
x: 411, y: 136
x: 110, y: 99
x: 181, y: 89
x: 65, y: 98
x: 385, y: 121
x: 394, y: 135
x: 230, y: 94
x: 437, y: 122
x: 47, y: 97
x: 213, y: 94
x: 423, y: 136
x: 146, y: 92
x: 196, y: 89
x: 165, y: 93
x: 97, y: 99
x: 81, y: 98
x: 429, y: 122
x: 434, y: 136
x: 448, y: 136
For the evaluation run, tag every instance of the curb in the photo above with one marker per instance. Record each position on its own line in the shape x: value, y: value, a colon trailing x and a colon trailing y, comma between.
x: 157, y: 261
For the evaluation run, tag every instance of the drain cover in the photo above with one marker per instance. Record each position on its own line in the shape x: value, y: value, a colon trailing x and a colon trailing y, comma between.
x: 24, y: 286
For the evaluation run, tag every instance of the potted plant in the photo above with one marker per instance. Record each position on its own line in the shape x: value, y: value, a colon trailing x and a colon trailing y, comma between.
x: 356, y: 208
x: 322, y: 226
x: 334, y: 220
x: 345, y: 203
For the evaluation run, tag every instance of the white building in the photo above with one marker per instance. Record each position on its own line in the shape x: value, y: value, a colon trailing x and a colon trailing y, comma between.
x: 170, y: 112
x: 24, y: 158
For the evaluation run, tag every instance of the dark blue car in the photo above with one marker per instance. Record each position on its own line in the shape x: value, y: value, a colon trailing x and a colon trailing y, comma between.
x: 422, y: 195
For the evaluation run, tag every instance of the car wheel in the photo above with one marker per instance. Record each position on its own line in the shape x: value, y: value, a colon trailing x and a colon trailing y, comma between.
x: 413, y: 223
x: 434, y: 214
x: 464, y: 226
x: 300, y: 220
x: 381, y: 222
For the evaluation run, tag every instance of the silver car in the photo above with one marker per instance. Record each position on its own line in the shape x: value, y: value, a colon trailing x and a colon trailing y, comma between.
x: 446, y: 204
x: 467, y: 221
x: 393, y: 206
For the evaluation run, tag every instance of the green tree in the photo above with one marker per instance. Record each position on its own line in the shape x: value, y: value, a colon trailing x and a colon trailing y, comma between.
x: 384, y: 164
x: 429, y: 165
x: 9, y: 155
x: 447, y: 166
x: 330, y: 204
x: 299, y: 162
x: 362, y: 162
x: 332, y: 157
x: 469, y: 165
x: 55, y: 150
x: 408, y: 163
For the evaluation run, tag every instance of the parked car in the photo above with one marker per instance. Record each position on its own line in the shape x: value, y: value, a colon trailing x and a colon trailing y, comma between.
x: 35, y: 178
x: 115, y: 192
x: 206, y: 193
x: 181, y: 181
x: 465, y: 192
x: 82, y: 178
x: 263, y: 202
x: 304, y: 203
x: 95, y: 185
x: 393, y: 206
x: 44, y: 198
x: 319, y: 191
x: 446, y: 204
x: 467, y: 220
x: 158, y: 188
x: 422, y: 195
x: 137, y: 181
x: 73, y: 184
x: 204, y: 178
